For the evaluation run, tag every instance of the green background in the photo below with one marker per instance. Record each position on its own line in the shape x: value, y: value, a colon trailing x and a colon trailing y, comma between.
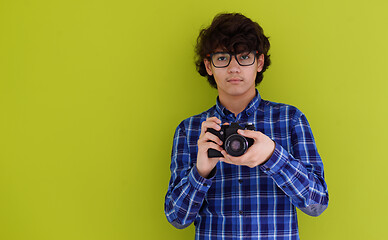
x: 91, y: 92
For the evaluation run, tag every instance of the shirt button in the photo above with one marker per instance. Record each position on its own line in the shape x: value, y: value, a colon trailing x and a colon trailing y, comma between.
x: 240, y: 181
x: 267, y: 169
x: 240, y: 212
x: 205, y: 184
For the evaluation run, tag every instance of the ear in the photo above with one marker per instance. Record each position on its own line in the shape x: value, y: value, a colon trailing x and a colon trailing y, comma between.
x: 208, y: 67
x: 260, y: 63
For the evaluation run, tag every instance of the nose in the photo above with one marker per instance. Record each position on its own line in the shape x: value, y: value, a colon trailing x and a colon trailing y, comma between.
x: 233, y: 65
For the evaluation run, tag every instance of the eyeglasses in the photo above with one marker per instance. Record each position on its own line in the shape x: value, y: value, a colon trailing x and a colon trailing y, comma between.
x: 223, y: 59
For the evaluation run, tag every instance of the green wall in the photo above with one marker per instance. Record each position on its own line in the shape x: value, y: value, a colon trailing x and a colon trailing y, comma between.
x: 91, y: 92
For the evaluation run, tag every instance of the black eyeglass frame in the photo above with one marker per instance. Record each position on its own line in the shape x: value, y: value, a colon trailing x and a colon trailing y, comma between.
x: 210, y: 56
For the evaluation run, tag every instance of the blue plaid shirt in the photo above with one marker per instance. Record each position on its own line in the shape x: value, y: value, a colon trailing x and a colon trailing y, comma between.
x: 238, y: 202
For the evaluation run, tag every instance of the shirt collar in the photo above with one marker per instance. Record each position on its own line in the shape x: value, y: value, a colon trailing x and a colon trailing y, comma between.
x: 251, y: 107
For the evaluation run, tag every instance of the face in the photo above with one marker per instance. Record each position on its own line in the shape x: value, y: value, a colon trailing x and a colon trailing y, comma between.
x: 235, y: 80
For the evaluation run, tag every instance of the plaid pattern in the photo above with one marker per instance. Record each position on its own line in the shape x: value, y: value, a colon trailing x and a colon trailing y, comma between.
x: 239, y: 202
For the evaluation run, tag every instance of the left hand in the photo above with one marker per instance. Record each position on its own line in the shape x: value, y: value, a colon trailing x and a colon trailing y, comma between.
x: 257, y: 154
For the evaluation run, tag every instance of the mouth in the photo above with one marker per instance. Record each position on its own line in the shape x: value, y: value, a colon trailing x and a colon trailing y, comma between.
x: 234, y: 80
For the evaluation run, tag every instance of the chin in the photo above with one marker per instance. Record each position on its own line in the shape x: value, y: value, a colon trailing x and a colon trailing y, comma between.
x: 237, y: 91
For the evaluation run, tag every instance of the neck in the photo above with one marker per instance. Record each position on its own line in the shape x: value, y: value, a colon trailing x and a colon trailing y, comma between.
x: 236, y: 103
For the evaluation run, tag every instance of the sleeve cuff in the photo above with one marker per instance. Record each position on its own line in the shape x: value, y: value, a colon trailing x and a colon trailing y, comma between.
x: 276, y: 162
x: 198, y: 182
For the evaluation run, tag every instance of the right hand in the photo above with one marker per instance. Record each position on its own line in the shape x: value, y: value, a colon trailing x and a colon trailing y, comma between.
x: 208, y: 140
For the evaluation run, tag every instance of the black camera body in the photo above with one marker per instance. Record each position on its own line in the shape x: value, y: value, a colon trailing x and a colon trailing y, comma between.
x: 233, y: 143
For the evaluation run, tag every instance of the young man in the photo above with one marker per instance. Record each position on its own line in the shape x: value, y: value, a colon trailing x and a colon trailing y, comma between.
x: 255, y: 195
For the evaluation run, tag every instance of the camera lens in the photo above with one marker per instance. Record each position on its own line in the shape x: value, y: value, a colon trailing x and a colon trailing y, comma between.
x: 236, y: 145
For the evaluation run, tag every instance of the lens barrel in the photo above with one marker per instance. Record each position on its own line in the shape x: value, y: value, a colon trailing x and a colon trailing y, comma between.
x: 236, y: 145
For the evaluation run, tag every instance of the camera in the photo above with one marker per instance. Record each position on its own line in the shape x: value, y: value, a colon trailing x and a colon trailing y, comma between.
x: 233, y: 143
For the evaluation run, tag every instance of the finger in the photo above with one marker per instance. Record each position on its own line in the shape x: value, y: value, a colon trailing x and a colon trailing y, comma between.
x: 212, y: 145
x: 209, y: 124
x: 214, y: 119
x: 235, y: 160
x: 223, y: 152
x: 249, y: 133
x: 208, y: 136
x: 227, y: 156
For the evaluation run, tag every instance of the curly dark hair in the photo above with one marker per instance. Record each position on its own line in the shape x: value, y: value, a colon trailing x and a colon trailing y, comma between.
x: 232, y: 32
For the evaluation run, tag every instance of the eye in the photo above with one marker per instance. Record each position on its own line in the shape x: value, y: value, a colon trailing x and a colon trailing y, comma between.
x: 221, y: 58
x: 245, y: 56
